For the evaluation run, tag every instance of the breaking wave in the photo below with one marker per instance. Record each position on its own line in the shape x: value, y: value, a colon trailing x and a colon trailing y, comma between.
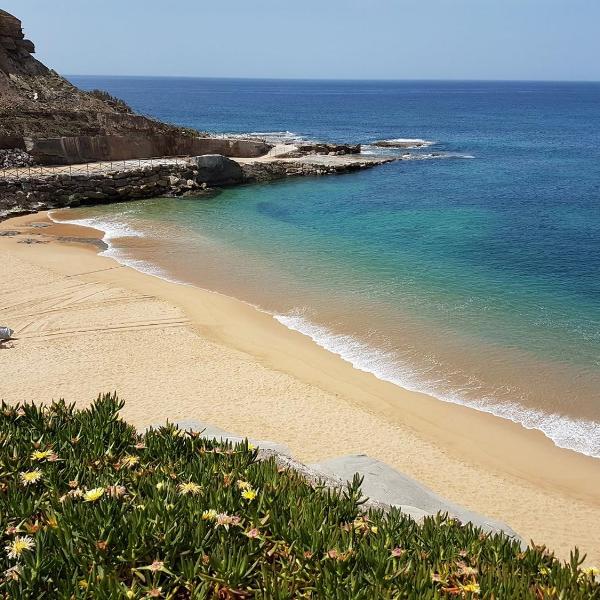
x: 580, y: 435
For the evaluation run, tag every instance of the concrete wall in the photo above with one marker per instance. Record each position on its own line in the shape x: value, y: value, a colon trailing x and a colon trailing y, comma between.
x: 82, y: 149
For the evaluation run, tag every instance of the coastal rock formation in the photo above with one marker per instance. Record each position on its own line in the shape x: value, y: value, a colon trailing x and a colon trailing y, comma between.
x: 31, y: 189
x: 316, y: 165
x: 329, y: 149
x: 38, y: 192
x: 214, y: 169
x: 15, y: 158
x: 57, y: 123
x: 401, y: 143
x: 37, y: 102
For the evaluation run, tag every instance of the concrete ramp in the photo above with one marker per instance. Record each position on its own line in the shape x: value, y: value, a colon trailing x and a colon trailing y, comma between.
x: 385, y: 485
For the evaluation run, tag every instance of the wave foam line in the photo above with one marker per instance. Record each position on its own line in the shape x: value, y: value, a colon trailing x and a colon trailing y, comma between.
x: 580, y: 435
x: 572, y: 434
x: 112, y: 230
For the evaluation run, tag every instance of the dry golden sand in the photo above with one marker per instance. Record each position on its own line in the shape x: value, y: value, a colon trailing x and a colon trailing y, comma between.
x: 87, y: 325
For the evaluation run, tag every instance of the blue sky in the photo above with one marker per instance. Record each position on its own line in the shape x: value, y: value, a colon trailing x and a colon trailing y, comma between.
x: 366, y: 39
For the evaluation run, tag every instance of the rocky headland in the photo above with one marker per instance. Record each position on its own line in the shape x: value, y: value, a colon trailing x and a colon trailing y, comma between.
x: 62, y: 147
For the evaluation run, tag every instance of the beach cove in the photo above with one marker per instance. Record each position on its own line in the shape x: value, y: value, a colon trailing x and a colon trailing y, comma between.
x: 178, y: 352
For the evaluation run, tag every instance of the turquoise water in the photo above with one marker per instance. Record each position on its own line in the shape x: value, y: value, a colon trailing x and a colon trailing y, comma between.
x: 473, y: 274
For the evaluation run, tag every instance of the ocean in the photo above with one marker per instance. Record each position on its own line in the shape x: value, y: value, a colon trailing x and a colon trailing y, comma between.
x: 470, y: 271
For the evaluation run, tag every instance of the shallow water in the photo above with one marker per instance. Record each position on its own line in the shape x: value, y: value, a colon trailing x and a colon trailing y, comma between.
x: 476, y: 279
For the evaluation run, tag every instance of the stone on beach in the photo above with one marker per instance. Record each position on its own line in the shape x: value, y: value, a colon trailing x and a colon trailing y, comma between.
x: 5, y: 334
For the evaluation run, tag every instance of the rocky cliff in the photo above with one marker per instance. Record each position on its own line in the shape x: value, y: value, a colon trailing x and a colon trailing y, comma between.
x: 49, y: 120
x: 37, y: 102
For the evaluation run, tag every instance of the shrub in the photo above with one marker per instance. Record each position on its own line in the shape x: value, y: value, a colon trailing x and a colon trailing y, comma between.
x: 116, y: 103
x: 91, y: 509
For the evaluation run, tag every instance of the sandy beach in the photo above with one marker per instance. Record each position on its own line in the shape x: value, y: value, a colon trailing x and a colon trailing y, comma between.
x: 85, y: 324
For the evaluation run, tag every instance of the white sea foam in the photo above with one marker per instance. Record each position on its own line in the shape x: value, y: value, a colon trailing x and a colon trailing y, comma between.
x: 272, y: 137
x: 580, y: 435
x: 401, y: 153
x: 114, y: 230
x: 111, y: 229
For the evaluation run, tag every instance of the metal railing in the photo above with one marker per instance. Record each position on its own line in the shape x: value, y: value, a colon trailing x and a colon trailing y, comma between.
x: 89, y: 169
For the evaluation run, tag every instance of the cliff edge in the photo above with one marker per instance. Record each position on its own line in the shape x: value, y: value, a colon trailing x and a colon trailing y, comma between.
x: 44, y: 119
x: 35, y: 101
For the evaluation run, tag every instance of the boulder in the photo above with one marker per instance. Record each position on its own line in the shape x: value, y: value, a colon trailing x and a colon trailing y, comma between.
x: 215, y: 169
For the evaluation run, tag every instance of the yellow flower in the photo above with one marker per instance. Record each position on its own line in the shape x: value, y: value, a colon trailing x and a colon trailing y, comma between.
x: 243, y: 485
x: 41, y: 454
x: 130, y: 460
x: 93, y: 494
x: 29, y: 477
x: 209, y: 515
x: 19, y: 545
x: 374, y: 529
x: 130, y: 594
x: 251, y: 446
x: 249, y: 494
x: 189, y: 487
x: 472, y: 588
x: 83, y: 584
x: 52, y: 522
x: 160, y: 485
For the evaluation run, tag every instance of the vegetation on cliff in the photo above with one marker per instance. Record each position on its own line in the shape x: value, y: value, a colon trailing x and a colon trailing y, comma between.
x: 91, y: 509
x: 35, y: 101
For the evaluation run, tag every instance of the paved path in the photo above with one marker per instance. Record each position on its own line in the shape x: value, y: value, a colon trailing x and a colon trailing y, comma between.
x: 277, y: 154
x: 91, y: 168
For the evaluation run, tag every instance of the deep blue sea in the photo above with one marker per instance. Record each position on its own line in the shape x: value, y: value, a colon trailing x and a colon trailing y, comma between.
x: 471, y: 271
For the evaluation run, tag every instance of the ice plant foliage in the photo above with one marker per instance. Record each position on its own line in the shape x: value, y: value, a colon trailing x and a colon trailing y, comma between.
x: 172, y: 515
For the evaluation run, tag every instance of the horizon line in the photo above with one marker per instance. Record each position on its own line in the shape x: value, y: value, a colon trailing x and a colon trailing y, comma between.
x: 341, y: 79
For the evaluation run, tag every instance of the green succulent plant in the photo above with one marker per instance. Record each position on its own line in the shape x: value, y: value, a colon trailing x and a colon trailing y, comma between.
x: 92, y: 509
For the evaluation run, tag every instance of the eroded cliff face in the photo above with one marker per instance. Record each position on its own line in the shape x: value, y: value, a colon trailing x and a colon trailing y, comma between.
x: 49, y: 120
x: 37, y: 102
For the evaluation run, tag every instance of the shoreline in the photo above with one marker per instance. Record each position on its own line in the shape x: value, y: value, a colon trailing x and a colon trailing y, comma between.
x: 573, y: 432
x: 476, y: 459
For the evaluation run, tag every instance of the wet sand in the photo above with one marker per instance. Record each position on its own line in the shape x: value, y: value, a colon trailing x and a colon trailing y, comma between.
x: 86, y: 324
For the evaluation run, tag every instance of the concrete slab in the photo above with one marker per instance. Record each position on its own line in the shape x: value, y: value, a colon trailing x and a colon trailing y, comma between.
x: 385, y: 485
